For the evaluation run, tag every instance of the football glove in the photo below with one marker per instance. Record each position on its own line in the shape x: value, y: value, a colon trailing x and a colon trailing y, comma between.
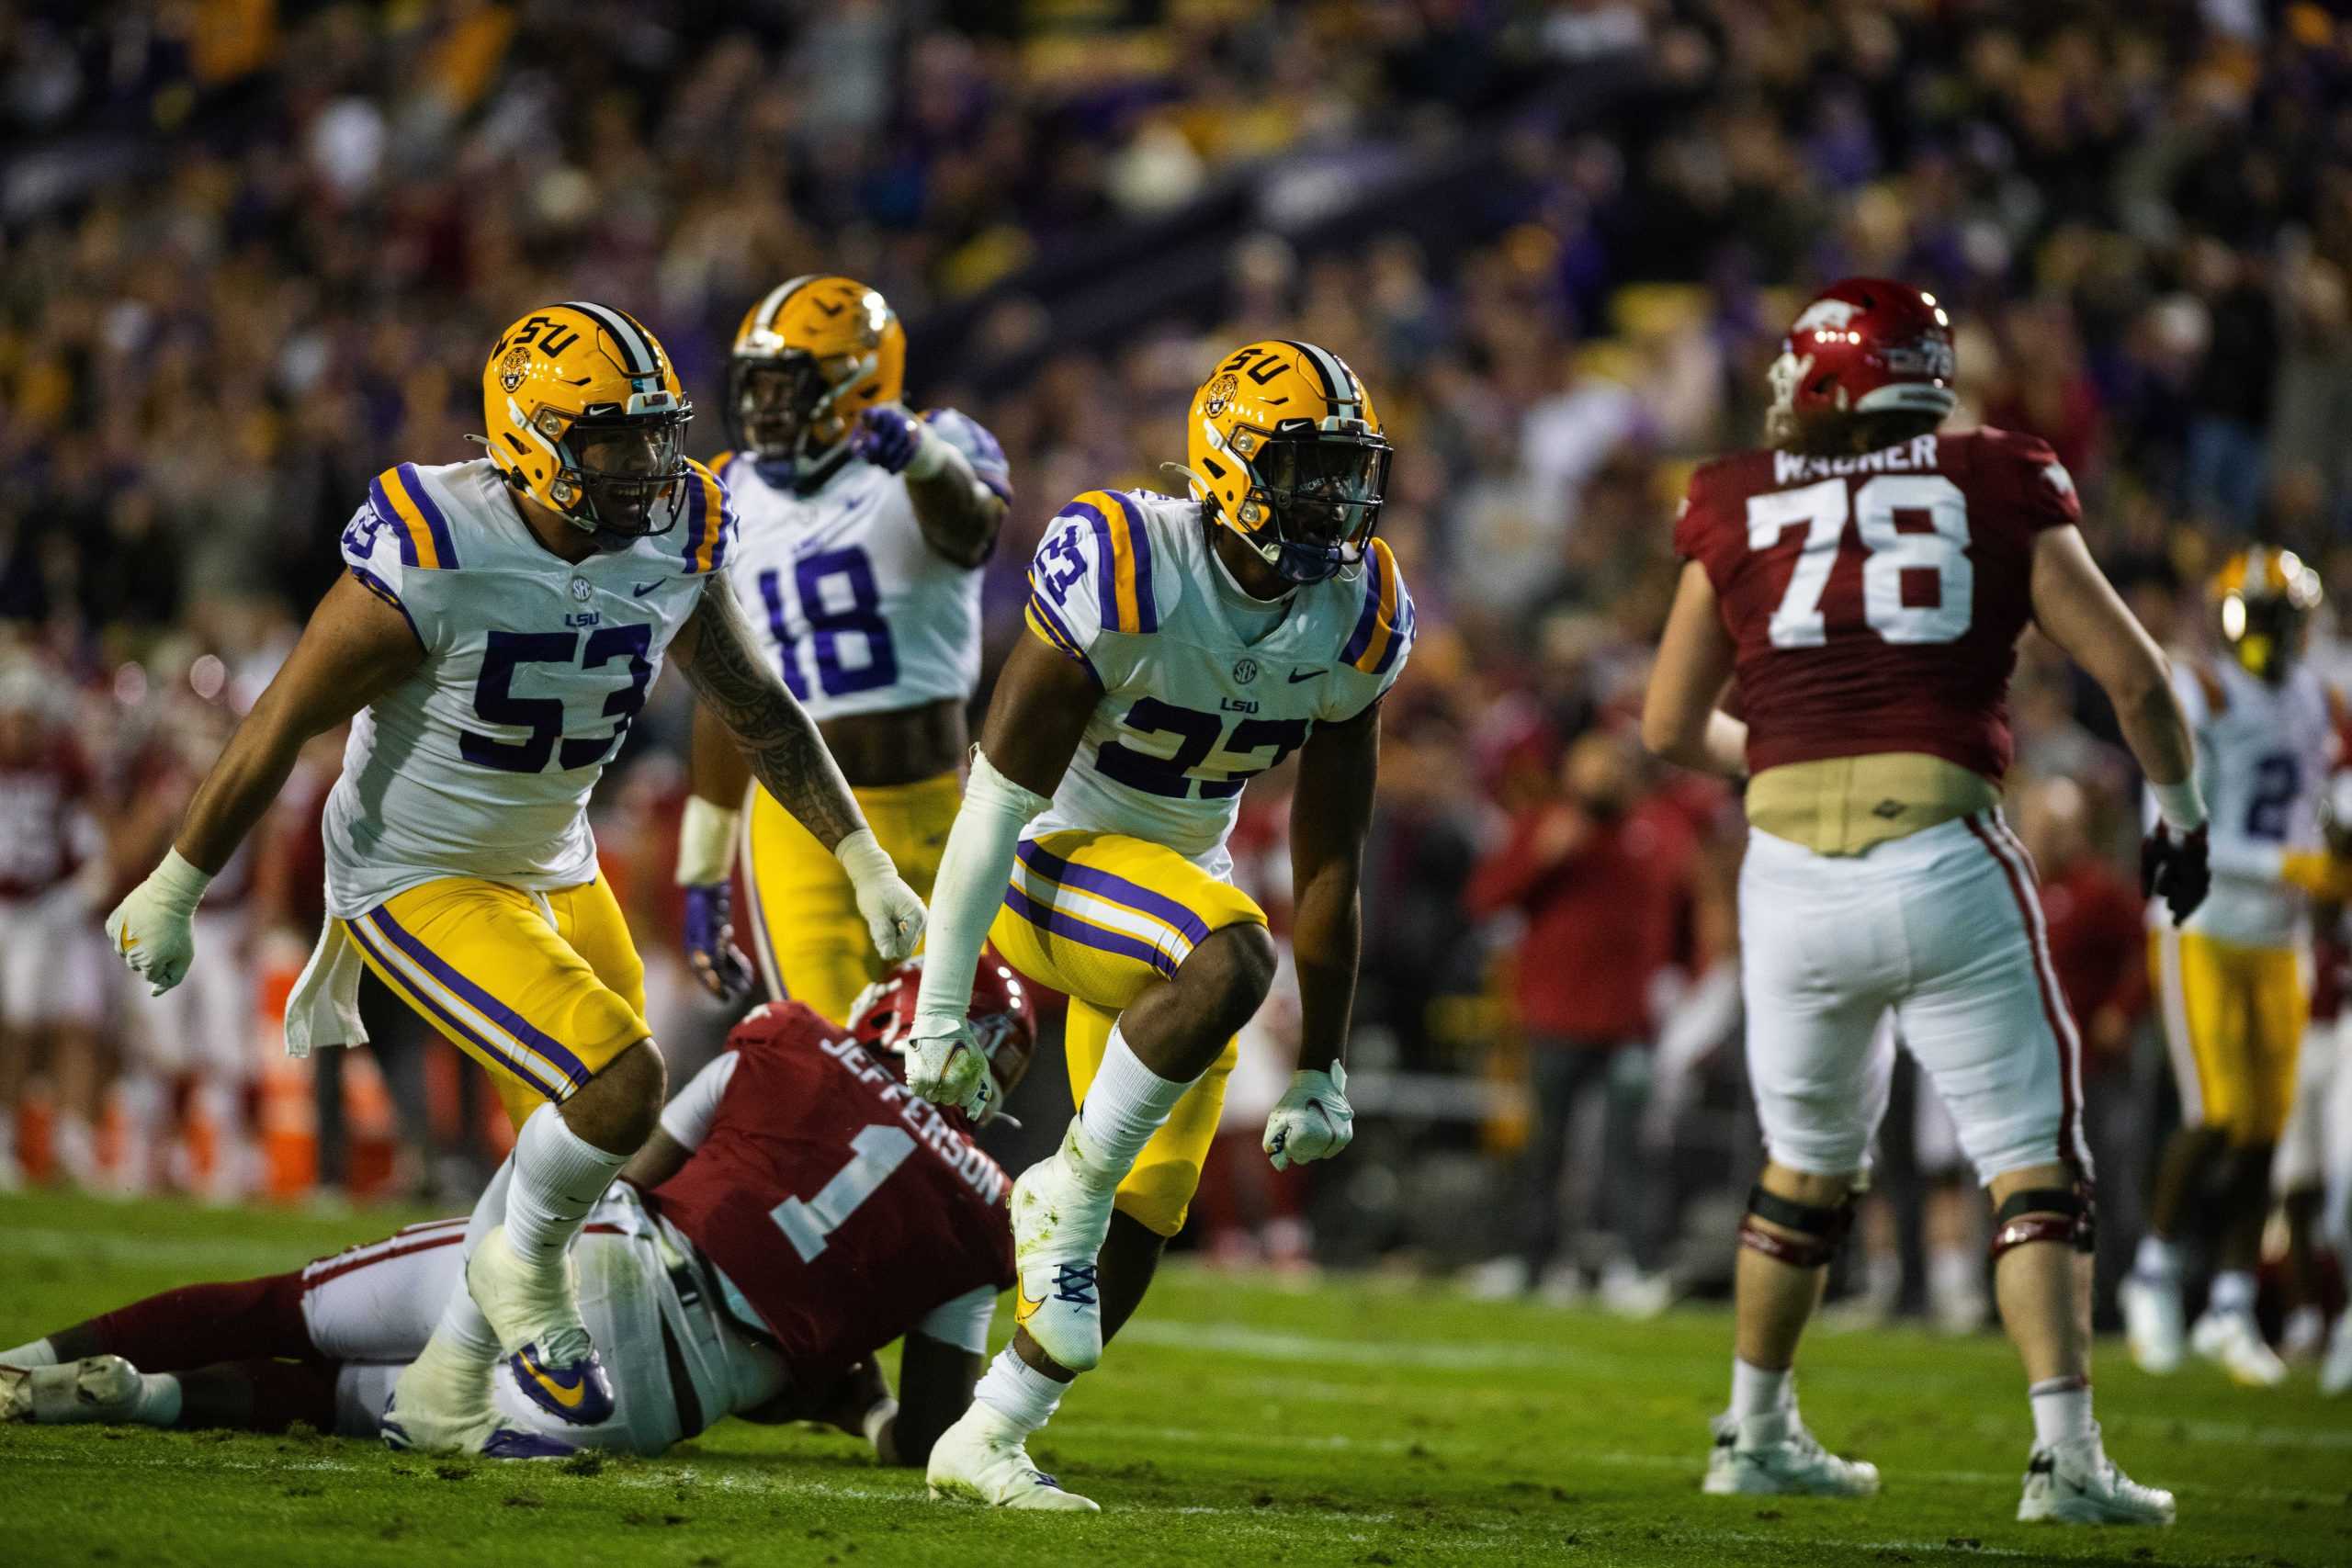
x: 893, y: 913
x: 890, y: 438
x: 1312, y: 1119
x: 711, y: 951
x: 947, y: 1067
x: 2173, y: 867
x: 154, y: 928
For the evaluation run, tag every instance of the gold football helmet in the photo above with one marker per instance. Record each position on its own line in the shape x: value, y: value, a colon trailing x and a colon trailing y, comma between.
x: 810, y: 357
x: 2262, y: 598
x: 1282, y: 448
x: 586, y: 417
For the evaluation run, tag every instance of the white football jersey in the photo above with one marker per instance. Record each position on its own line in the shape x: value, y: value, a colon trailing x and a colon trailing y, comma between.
x: 1192, y: 710
x: 482, y: 762
x: 2263, y: 754
x: 859, y: 613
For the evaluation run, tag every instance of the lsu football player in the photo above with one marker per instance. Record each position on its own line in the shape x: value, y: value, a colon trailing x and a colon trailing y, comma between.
x: 1178, y: 649
x: 2234, y: 979
x: 864, y: 531
x: 495, y: 631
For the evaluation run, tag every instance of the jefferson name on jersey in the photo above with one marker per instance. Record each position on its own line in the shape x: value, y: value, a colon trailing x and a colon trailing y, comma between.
x: 480, y: 762
x: 1126, y: 584
x: 859, y: 613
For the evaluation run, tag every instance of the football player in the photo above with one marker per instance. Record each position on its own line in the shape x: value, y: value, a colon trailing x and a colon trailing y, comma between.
x: 864, y: 531
x: 1866, y: 578
x: 795, y: 1212
x: 2233, y: 980
x: 500, y: 623
x: 1178, y: 649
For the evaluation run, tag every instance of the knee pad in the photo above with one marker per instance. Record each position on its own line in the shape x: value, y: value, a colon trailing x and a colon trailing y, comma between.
x: 1823, y: 1229
x: 2046, y: 1213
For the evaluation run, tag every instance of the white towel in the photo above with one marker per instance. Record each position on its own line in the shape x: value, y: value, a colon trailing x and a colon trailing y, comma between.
x: 323, y: 1007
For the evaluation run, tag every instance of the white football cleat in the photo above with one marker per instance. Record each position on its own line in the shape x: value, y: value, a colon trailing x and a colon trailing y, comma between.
x: 441, y: 1405
x: 2153, y: 1318
x: 981, y: 1458
x: 2233, y: 1342
x: 2335, y: 1372
x: 1775, y: 1456
x: 535, y: 1315
x: 1060, y: 1215
x: 2076, y: 1484
x: 97, y: 1388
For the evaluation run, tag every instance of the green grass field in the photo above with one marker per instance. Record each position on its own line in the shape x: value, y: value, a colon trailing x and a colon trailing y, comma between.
x: 1357, y: 1422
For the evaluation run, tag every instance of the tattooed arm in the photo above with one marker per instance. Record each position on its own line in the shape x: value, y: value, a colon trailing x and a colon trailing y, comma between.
x: 777, y: 737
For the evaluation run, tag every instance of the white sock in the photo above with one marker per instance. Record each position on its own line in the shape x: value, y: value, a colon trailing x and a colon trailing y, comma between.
x: 2232, y: 1292
x: 159, y: 1400
x: 1955, y: 1272
x: 559, y: 1176
x: 2062, y: 1411
x: 2157, y: 1259
x: 1126, y: 1104
x: 463, y: 1332
x: 36, y: 1354
x: 1755, y: 1391
x: 1024, y: 1396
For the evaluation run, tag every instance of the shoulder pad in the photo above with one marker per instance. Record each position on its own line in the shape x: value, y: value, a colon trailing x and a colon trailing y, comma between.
x: 416, y: 522
x: 1124, y: 579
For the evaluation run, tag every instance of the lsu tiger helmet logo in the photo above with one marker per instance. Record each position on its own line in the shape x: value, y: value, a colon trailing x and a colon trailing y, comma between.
x: 586, y: 417
x: 1283, y: 447
x: 810, y: 357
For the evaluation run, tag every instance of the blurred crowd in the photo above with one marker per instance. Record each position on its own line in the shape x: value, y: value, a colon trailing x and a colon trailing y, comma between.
x: 252, y: 251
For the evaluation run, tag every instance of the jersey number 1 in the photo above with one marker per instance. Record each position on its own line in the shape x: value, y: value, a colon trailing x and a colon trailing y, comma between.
x: 1891, y: 555
x: 809, y: 1223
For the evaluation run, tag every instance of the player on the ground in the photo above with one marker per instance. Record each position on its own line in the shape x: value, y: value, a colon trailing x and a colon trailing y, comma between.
x: 864, y: 530
x: 2233, y: 980
x: 795, y: 1211
x: 500, y: 623
x: 1866, y: 581
x: 1179, y: 648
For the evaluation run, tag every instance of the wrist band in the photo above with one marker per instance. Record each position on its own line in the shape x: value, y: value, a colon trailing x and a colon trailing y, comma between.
x: 2179, y: 805
x: 705, y: 842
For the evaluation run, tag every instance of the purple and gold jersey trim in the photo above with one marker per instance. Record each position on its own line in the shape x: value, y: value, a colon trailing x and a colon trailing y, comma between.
x: 709, y: 520
x: 400, y: 500
x: 1385, y: 626
x: 383, y: 589
x: 1056, y: 634
x: 1095, y: 908
x: 1121, y: 559
x: 448, y: 997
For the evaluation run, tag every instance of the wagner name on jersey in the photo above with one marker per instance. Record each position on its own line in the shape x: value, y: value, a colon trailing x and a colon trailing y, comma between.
x: 860, y: 614
x: 2263, y: 754
x: 1127, y: 583
x: 480, y: 762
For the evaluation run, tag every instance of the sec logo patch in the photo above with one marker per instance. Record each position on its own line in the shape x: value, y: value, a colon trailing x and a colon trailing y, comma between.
x: 1245, y: 671
x: 580, y: 590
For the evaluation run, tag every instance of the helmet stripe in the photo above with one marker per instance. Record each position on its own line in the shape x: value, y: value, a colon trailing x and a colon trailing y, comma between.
x: 637, y: 357
x: 1322, y: 372
x: 773, y: 306
x: 1340, y: 383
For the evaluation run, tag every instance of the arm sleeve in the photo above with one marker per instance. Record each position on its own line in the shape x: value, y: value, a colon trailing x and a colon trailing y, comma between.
x: 968, y: 888
x: 981, y: 449
x: 691, y: 1111
x: 963, y: 1322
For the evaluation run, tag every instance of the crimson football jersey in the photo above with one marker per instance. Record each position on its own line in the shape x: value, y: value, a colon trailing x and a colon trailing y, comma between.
x: 844, y: 1208
x: 1875, y: 600
x: 46, y: 831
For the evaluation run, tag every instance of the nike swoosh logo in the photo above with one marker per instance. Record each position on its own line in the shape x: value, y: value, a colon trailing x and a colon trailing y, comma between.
x: 569, y: 1398
x: 640, y: 590
x: 1298, y: 675
x: 1023, y: 1309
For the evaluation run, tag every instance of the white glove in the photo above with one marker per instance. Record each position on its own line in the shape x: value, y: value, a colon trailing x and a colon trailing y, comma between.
x: 894, y: 915
x: 945, y: 1066
x: 153, y: 928
x: 1312, y: 1119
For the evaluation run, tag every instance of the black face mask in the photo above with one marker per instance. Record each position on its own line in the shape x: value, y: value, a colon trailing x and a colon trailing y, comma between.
x: 632, y: 474
x: 1325, y: 490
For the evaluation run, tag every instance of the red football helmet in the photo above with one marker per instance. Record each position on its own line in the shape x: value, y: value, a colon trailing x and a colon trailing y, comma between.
x: 1863, y: 346
x: 1002, y: 1019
